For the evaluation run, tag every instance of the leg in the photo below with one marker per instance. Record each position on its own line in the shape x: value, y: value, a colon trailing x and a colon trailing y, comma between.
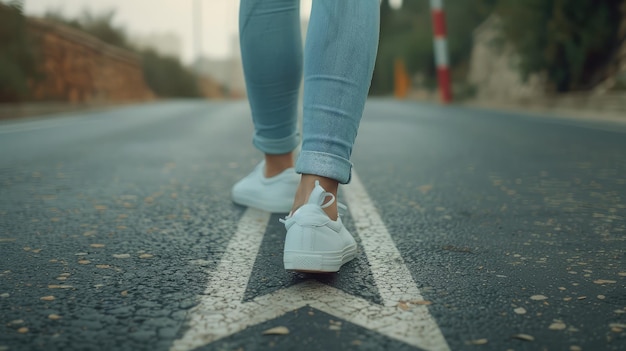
x: 340, y: 53
x: 271, y: 51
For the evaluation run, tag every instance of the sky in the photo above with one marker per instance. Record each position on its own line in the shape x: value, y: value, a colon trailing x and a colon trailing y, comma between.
x: 142, y: 17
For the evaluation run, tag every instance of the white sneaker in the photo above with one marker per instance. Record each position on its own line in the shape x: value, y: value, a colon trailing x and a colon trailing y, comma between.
x: 273, y: 194
x: 314, y: 242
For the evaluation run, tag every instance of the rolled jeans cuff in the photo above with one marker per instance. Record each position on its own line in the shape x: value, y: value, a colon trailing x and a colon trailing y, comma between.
x: 276, y: 146
x: 325, y: 165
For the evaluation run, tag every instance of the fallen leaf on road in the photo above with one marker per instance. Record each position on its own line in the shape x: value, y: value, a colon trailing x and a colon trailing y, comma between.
x: 277, y: 331
x: 54, y: 317
x: 524, y: 337
x: 582, y: 297
x: 103, y: 266
x: 121, y: 255
x: 22, y: 330
x: 47, y: 298
x: 84, y: 262
x: 60, y: 287
x: 97, y: 245
x: 520, y: 310
x: 604, y: 281
x: 403, y: 305
x: 478, y: 342
x: 538, y: 297
x: 557, y: 326
x: 425, y: 188
x: 146, y: 256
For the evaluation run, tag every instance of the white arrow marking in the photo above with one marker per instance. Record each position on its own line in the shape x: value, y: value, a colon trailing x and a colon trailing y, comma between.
x: 221, y: 311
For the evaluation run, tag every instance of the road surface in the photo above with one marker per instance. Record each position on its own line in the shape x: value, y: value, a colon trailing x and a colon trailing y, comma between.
x: 478, y: 231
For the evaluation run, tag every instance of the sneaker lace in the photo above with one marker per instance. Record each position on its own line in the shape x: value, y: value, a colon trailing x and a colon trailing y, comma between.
x: 341, y: 208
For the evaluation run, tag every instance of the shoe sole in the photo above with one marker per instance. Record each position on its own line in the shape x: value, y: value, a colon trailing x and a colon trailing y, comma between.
x: 261, y: 205
x: 318, y: 262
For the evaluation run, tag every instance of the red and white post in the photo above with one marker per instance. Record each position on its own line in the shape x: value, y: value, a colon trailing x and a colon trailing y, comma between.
x: 441, y: 50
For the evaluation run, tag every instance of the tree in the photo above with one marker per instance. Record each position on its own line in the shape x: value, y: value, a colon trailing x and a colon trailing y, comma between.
x: 18, y: 60
x: 166, y: 76
x: 568, y: 40
x: 407, y: 33
x: 100, y: 26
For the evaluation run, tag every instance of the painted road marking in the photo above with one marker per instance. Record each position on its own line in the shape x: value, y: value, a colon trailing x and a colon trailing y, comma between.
x: 221, y: 311
x: 29, y: 126
x: 143, y: 113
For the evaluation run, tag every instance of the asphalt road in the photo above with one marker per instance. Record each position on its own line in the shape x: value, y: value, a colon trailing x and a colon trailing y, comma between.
x: 478, y: 231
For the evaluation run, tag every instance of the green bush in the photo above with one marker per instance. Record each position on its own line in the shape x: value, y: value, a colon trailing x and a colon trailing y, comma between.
x: 100, y: 26
x: 18, y: 60
x: 166, y: 76
x: 571, y: 41
x: 408, y: 34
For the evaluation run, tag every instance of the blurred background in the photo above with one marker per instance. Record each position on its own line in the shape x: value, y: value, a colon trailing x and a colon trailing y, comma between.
x: 81, y: 52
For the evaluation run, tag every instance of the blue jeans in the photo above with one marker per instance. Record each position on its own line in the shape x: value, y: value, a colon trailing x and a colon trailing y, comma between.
x: 341, y: 45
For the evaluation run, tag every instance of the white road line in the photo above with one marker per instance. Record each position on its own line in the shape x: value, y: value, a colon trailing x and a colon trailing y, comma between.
x: 37, y: 125
x: 393, y: 279
x: 221, y: 311
x: 388, y: 269
x: 130, y: 114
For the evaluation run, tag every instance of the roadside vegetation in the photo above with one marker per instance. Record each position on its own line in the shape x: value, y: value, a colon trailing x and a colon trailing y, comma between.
x: 166, y: 76
x: 18, y: 58
x: 571, y: 42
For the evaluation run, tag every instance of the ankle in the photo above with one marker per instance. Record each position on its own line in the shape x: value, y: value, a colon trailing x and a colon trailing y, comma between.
x: 307, y: 183
x: 276, y: 164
